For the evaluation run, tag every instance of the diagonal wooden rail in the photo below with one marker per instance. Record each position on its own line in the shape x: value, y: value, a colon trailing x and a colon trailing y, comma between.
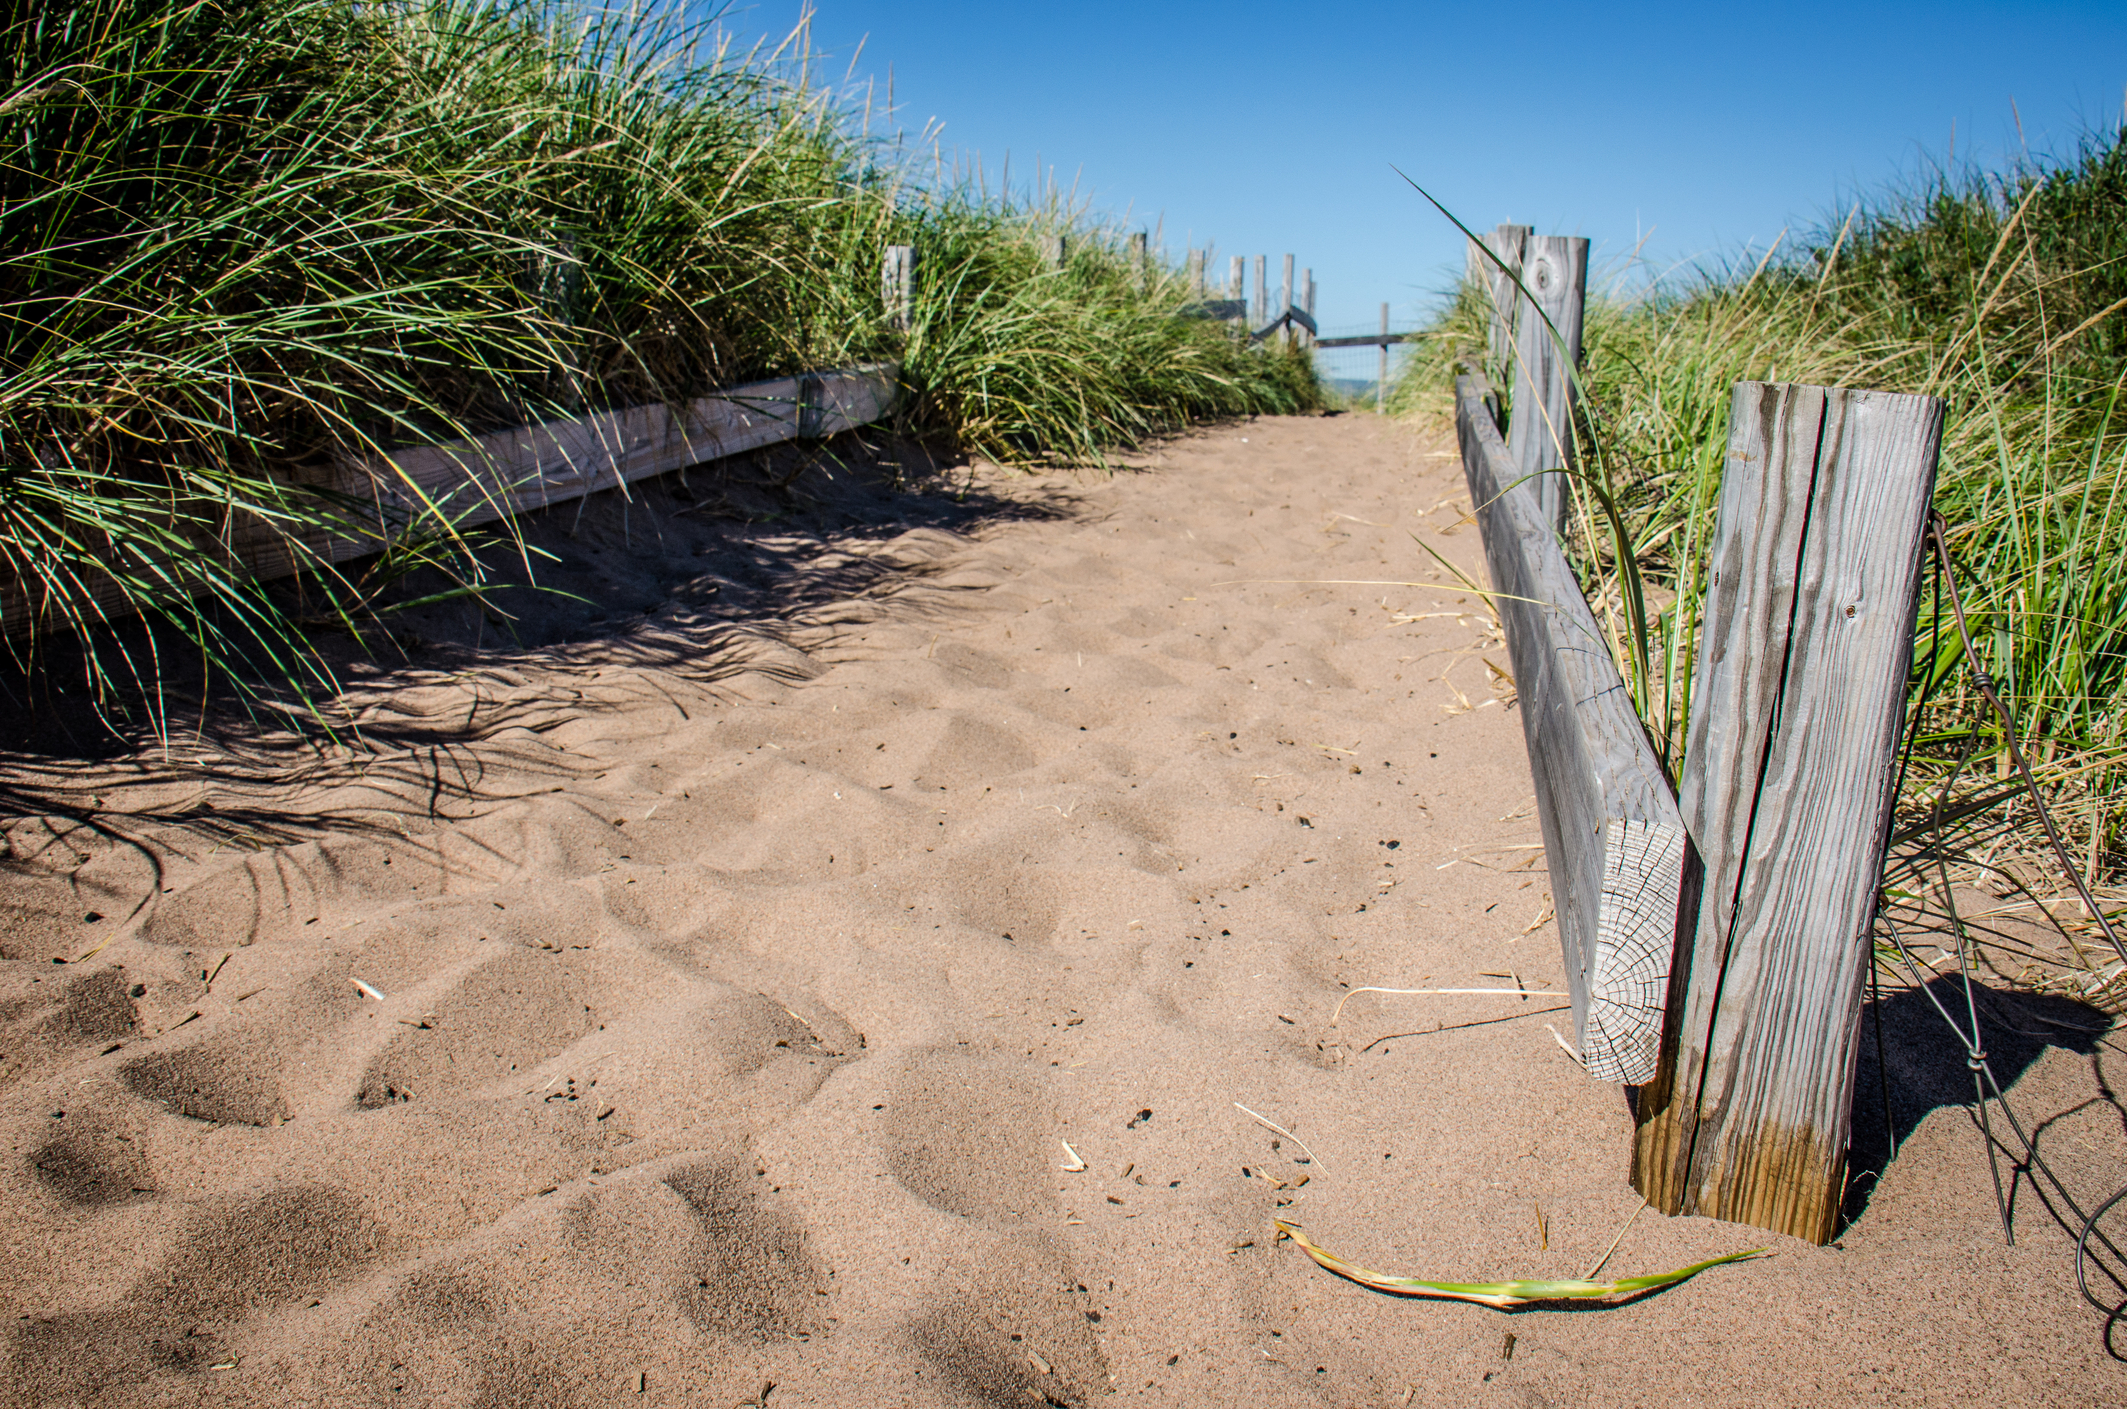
x: 1613, y: 841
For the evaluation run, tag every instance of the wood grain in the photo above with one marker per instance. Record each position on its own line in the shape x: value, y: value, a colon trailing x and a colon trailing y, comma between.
x: 1613, y: 841
x: 897, y: 285
x: 1788, y: 779
x: 1546, y: 356
x: 477, y: 481
x: 1510, y: 243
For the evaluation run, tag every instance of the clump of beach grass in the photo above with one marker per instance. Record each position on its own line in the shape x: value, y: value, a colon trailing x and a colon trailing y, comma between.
x: 247, y: 239
x: 2004, y: 293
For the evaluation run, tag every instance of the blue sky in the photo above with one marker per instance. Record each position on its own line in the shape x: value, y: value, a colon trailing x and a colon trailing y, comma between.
x: 1268, y: 128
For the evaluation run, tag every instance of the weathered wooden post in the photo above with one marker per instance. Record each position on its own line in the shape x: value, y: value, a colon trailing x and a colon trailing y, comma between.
x: 1237, y: 278
x: 1613, y: 842
x: 1307, y: 306
x: 1140, y: 258
x: 1262, y: 300
x: 897, y: 286
x: 1196, y: 274
x: 1510, y: 243
x: 1789, y: 777
x: 1285, y: 298
x: 1052, y: 251
x: 1381, y: 383
x: 1547, y: 357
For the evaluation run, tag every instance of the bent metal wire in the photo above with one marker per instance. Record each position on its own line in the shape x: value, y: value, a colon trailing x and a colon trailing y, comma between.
x: 1986, y: 1089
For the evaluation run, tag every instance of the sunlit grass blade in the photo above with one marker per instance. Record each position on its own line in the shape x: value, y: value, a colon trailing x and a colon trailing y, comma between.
x: 1502, y: 1295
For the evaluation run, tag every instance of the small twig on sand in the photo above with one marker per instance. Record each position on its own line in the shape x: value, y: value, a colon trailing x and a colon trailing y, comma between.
x: 1506, y: 992
x: 1270, y: 1124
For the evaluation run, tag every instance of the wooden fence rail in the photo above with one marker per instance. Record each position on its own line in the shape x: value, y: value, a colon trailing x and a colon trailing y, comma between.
x: 477, y: 481
x: 1613, y: 840
x: 1715, y: 947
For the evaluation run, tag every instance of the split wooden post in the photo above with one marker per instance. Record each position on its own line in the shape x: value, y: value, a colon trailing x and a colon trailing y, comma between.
x: 1613, y: 842
x: 1381, y: 383
x: 1547, y: 356
x: 1261, y: 314
x: 1510, y: 243
x: 1789, y: 781
x: 897, y: 286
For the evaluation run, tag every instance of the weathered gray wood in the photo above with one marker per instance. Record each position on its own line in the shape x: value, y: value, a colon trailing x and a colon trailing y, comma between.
x: 1613, y: 841
x: 1298, y: 319
x: 1369, y: 340
x: 1789, y: 768
x: 1554, y: 274
x: 1285, y: 289
x: 1307, y: 304
x: 477, y: 481
x: 1510, y: 243
x: 1259, y: 311
x: 1052, y: 251
x: 1196, y: 274
x: 897, y: 286
x: 1237, y: 278
x: 1381, y: 382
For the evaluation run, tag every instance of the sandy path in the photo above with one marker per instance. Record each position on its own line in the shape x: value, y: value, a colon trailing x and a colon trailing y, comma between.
x: 731, y: 1030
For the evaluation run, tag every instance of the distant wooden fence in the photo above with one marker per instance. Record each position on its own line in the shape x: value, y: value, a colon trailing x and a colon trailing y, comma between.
x: 1715, y: 948
x: 467, y: 483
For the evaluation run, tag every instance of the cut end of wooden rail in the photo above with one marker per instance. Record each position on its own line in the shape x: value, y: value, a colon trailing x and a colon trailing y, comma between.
x: 1636, y: 922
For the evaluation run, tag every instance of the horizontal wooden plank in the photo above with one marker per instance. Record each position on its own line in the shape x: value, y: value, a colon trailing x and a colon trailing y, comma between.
x: 478, y: 481
x: 1613, y: 840
x: 1369, y: 340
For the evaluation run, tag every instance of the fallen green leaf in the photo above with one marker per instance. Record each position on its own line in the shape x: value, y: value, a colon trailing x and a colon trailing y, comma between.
x: 1499, y: 1294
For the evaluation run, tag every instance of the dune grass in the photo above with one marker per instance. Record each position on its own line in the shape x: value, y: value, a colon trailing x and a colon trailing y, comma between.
x: 2003, y: 293
x: 244, y: 239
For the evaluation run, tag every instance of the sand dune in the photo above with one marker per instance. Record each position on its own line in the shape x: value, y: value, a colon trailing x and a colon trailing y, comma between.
x: 698, y: 993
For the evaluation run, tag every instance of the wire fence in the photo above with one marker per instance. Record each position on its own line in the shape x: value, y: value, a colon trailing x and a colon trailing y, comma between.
x: 1919, y: 907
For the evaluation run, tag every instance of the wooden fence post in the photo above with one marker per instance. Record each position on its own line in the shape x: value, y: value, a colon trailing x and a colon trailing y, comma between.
x: 1052, y: 251
x: 1789, y: 776
x: 1381, y: 384
x: 1196, y: 274
x: 1284, y: 298
x: 1547, y: 354
x: 1140, y: 257
x: 897, y: 286
x: 1237, y: 279
x: 1510, y: 243
x: 1613, y: 842
x: 1261, y: 313
x: 1307, y: 306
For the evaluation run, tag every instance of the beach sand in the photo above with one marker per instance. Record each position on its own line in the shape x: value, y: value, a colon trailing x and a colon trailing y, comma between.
x: 700, y: 990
